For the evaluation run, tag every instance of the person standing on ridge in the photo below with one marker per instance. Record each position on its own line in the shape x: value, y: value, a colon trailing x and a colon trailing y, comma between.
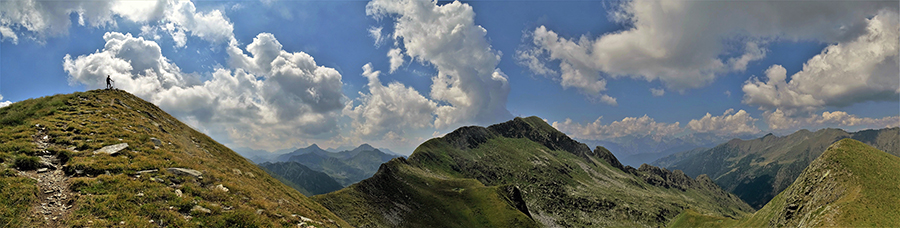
x: 108, y: 80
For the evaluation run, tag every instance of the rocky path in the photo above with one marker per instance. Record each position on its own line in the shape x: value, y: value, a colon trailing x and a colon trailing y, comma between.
x: 55, y: 197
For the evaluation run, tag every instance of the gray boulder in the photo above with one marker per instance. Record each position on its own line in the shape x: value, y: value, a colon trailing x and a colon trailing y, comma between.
x: 183, y: 171
x: 112, y: 149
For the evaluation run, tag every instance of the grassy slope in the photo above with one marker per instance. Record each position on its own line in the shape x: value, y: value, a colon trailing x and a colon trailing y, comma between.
x: 559, y: 187
x: 758, y: 169
x: 400, y: 195
x: 852, y: 185
x: 108, y: 189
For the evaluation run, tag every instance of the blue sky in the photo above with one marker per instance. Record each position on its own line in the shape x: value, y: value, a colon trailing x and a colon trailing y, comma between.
x: 278, y: 74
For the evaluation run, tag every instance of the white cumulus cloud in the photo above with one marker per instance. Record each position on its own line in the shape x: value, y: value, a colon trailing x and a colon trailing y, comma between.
x: 860, y: 70
x: 4, y: 103
x: 389, y: 110
x: 729, y: 123
x: 688, y: 44
x: 778, y: 120
x: 267, y: 107
x: 628, y: 126
x: 38, y: 19
x: 468, y: 82
x: 657, y: 92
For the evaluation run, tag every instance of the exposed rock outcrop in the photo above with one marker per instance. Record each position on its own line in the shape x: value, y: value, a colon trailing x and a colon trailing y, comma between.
x: 112, y: 149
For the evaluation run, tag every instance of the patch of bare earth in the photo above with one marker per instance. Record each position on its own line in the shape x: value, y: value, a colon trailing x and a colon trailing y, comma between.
x: 55, y: 197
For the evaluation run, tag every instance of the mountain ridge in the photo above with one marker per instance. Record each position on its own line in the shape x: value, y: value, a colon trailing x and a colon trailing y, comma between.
x: 298, y: 176
x: 346, y: 167
x: 561, y: 181
x: 758, y: 169
x: 851, y: 184
x: 109, y: 158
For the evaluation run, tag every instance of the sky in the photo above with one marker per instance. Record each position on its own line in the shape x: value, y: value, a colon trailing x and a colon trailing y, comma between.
x: 275, y: 74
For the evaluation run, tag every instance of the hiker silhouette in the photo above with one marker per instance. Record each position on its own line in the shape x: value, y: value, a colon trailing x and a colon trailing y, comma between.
x: 108, y: 80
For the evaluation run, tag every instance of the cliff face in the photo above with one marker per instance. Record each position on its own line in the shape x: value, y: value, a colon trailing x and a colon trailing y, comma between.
x: 560, y: 182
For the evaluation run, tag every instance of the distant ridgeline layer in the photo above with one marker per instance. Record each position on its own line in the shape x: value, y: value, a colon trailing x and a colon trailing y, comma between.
x: 346, y: 167
x: 522, y: 173
x: 850, y: 185
x: 106, y: 158
x: 757, y: 170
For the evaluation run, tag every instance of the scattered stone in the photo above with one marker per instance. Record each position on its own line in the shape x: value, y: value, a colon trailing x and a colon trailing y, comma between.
x: 122, y: 223
x: 41, y: 170
x: 249, y: 174
x: 112, y: 149
x: 46, y: 162
x: 259, y: 211
x: 183, y: 171
x: 156, y: 141
x: 178, y: 193
x: 71, y: 148
x: 122, y: 104
x: 147, y: 171
x: 236, y: 171
x: 140, y: 194
x: 220, y: 187
x: 202, y: 209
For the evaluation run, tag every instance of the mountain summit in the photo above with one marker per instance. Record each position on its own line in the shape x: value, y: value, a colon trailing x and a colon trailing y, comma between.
x: 522, y: 173
x: 107, y: 158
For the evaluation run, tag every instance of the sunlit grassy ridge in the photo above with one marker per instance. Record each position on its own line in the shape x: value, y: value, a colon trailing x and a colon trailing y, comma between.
x: 758, y: 169
x: 110, y: 191
x: 850, y: 185
x: 561, y: 183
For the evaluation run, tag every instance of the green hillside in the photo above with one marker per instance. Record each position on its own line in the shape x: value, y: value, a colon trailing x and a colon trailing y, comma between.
x: 169, y: 175
x: 850, y: 185
x: 560, y: 182
x: 757, y: 170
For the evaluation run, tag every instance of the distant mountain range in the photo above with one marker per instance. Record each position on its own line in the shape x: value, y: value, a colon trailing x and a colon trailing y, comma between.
x: 850, y: 184
x: 757, y: 170
x: 107, y: 158
x: 637, y: 150
x: 261, y: 156
x: 345, y: 167
x: 522, y: 173
x: 298, y: 176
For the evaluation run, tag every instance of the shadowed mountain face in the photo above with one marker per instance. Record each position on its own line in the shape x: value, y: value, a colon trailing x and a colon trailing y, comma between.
x: 307, y: 181
x: 522, y: 173
x: 756, y: 170
x: 850, y: 185
x: 346, y: 167
x: 106, y: 158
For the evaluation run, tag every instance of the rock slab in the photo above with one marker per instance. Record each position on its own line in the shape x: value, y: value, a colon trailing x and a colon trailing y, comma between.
x: 183, y: 171
x: 112, y: 149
